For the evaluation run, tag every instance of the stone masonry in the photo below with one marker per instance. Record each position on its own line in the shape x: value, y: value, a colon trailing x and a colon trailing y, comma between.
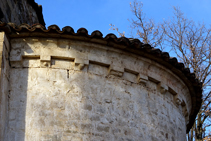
x: 75, y: 88
x: 67, y: 90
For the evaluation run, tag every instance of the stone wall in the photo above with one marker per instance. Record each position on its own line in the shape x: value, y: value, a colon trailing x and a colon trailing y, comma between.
x: 4, y: 84
x: 63, y: 90
x: 21, y: 11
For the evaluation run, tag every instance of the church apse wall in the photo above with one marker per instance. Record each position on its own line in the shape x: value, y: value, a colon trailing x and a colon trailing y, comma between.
x: 73, y: 86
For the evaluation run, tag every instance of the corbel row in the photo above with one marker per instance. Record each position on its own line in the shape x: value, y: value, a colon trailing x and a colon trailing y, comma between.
x: 115, y: 70
x: 161, y: 87
x: 45, y: 61
x: 141, y: 78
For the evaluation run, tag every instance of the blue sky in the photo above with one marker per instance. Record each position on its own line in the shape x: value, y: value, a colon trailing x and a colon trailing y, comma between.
x: 98, y: 14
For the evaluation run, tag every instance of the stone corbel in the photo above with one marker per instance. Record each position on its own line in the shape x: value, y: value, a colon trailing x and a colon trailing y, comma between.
x: 45, y: 60
x: 116, y: 71
x: 80, y: 63
x: 163, y: 88
x: 142, y: 79
x: 172, y: 91
x: 178, y: 100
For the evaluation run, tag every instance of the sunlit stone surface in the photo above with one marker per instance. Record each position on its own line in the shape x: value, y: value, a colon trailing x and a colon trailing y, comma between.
x: 64, y: 90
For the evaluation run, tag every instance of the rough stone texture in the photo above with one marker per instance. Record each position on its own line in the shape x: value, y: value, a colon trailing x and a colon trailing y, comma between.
x: 63, y: 90
x: 21, y: 11
x: 4, y: 84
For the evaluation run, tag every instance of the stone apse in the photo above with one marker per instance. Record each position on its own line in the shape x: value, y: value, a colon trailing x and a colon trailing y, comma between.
x: 61, y: 85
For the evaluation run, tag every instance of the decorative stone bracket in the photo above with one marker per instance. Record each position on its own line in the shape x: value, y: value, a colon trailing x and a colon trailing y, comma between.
x: 116, y: 71
x: 178, y: 101
x: 142, y: 78
x: 80, y: 63
x: 45, y: 61
x: 163, y: 88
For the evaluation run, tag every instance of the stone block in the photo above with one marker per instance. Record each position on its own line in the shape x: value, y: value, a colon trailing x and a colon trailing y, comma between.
x: 142, y: 78
x: 115, y: 70
x: 28, y: 63
x: 80, y: 63
x: 45, y: 64
x: 163, y: 88
x: 130, y: 77
x: 98, y: 69
x: 45, y: 58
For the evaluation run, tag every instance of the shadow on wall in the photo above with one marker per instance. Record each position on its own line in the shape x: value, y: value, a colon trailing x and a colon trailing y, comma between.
x: 45, y: 103
x: 18, y: 96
